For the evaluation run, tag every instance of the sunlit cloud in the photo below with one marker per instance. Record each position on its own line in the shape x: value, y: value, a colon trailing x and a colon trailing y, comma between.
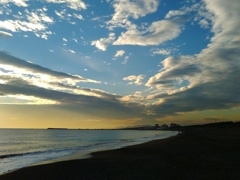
x: 5, y: 34
x: 27, y: 100
x: 126, y: 9
x: 26, y: 83
x: 137, y: 97
x: 134, y: 58
x: 36, y: 22
x: 19, y: 64
x: 193, y: 83
x: 102, y: 43
x: 157, y: 33
x: 135, y: 79
x: 17, y: 75
x: 119, y: 53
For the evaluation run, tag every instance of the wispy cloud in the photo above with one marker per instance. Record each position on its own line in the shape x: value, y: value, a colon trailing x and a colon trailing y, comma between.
x: 21, y: 3
x: 36, y: 22
x: 157, y: 33
x: 102, y: 43
x: 161, y: 52
x: 135, y: 79
x: 73, y: 4
x: 119, y: 53
x: 5, y: 34
x: 126, y: 58
x: 126, y: 9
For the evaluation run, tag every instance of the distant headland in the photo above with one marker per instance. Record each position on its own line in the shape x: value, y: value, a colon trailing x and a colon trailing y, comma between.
x: 57, y: 128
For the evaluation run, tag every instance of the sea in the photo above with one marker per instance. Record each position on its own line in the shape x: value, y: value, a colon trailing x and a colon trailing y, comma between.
x: 20, y: 148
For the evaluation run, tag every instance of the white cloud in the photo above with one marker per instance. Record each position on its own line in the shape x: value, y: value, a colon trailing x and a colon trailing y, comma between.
x: 157, y: 33
x: 36, y: 22
x: 204, y: 23
x: 72, y: 51
x: 5, y: 34
x: 78, y: 16
x: 21, y: 25
x: 125, y: 9
x: 102, y: 43
x: 23, y: 99
x: 75, y: 40
x: 68, y: 17
x: 201, y: 15
x: 61, y: 14
x: 137, y: 97
x: 73, y: 4
x: 119, y: 53
x: 38, y: 16
x: 175, y: 71
x: 15, y: 65
x: 162, y: 52
x: 135, y: 79
x: 174, y: 13
x: 125, y: 60
x: 16, y: 2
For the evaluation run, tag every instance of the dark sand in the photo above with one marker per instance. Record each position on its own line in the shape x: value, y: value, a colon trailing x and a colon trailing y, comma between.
x: 197, y: 153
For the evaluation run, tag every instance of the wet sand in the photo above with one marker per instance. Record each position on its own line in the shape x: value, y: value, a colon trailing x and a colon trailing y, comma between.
x: 196, y: 153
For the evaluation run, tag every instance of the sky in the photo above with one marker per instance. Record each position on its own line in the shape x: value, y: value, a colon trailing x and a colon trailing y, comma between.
x: 118, y: 63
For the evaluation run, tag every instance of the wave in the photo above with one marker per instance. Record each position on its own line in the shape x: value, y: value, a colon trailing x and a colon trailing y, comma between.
x: 53, y: 151
x: 17, y: 160
x: 115, y: 142
x: 29, y: 153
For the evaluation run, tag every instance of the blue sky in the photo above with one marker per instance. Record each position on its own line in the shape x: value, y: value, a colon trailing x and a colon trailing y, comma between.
x: 114, y: 63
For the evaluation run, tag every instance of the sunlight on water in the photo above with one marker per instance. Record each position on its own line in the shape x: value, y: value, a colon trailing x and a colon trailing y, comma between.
x: 20, y: 148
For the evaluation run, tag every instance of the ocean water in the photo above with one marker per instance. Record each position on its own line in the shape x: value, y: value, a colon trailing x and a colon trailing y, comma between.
x: 24, y: 147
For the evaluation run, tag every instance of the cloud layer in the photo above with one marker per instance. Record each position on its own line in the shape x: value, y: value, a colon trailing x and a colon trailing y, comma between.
x: 23, y: 82
x: 208, y: 79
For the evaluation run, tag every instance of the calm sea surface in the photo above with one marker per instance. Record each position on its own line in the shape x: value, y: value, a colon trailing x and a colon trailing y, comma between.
x: 24, y: 147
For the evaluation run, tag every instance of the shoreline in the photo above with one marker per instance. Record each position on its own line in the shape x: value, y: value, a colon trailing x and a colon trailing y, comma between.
x: 85, y: 154
x: 197, y: 153
x: 89, y: 153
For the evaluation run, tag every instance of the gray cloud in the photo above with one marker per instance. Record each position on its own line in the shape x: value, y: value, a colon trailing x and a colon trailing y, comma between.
x: 176, y: 69
x: 203, y: 97
x: 94, y: 92
x: 66, y: 94
x: 74, y: 102
x: 8, y: 59
x: 212, y: 76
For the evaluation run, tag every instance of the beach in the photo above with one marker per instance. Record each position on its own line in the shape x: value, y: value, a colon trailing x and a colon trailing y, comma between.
x: 199, y: 152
